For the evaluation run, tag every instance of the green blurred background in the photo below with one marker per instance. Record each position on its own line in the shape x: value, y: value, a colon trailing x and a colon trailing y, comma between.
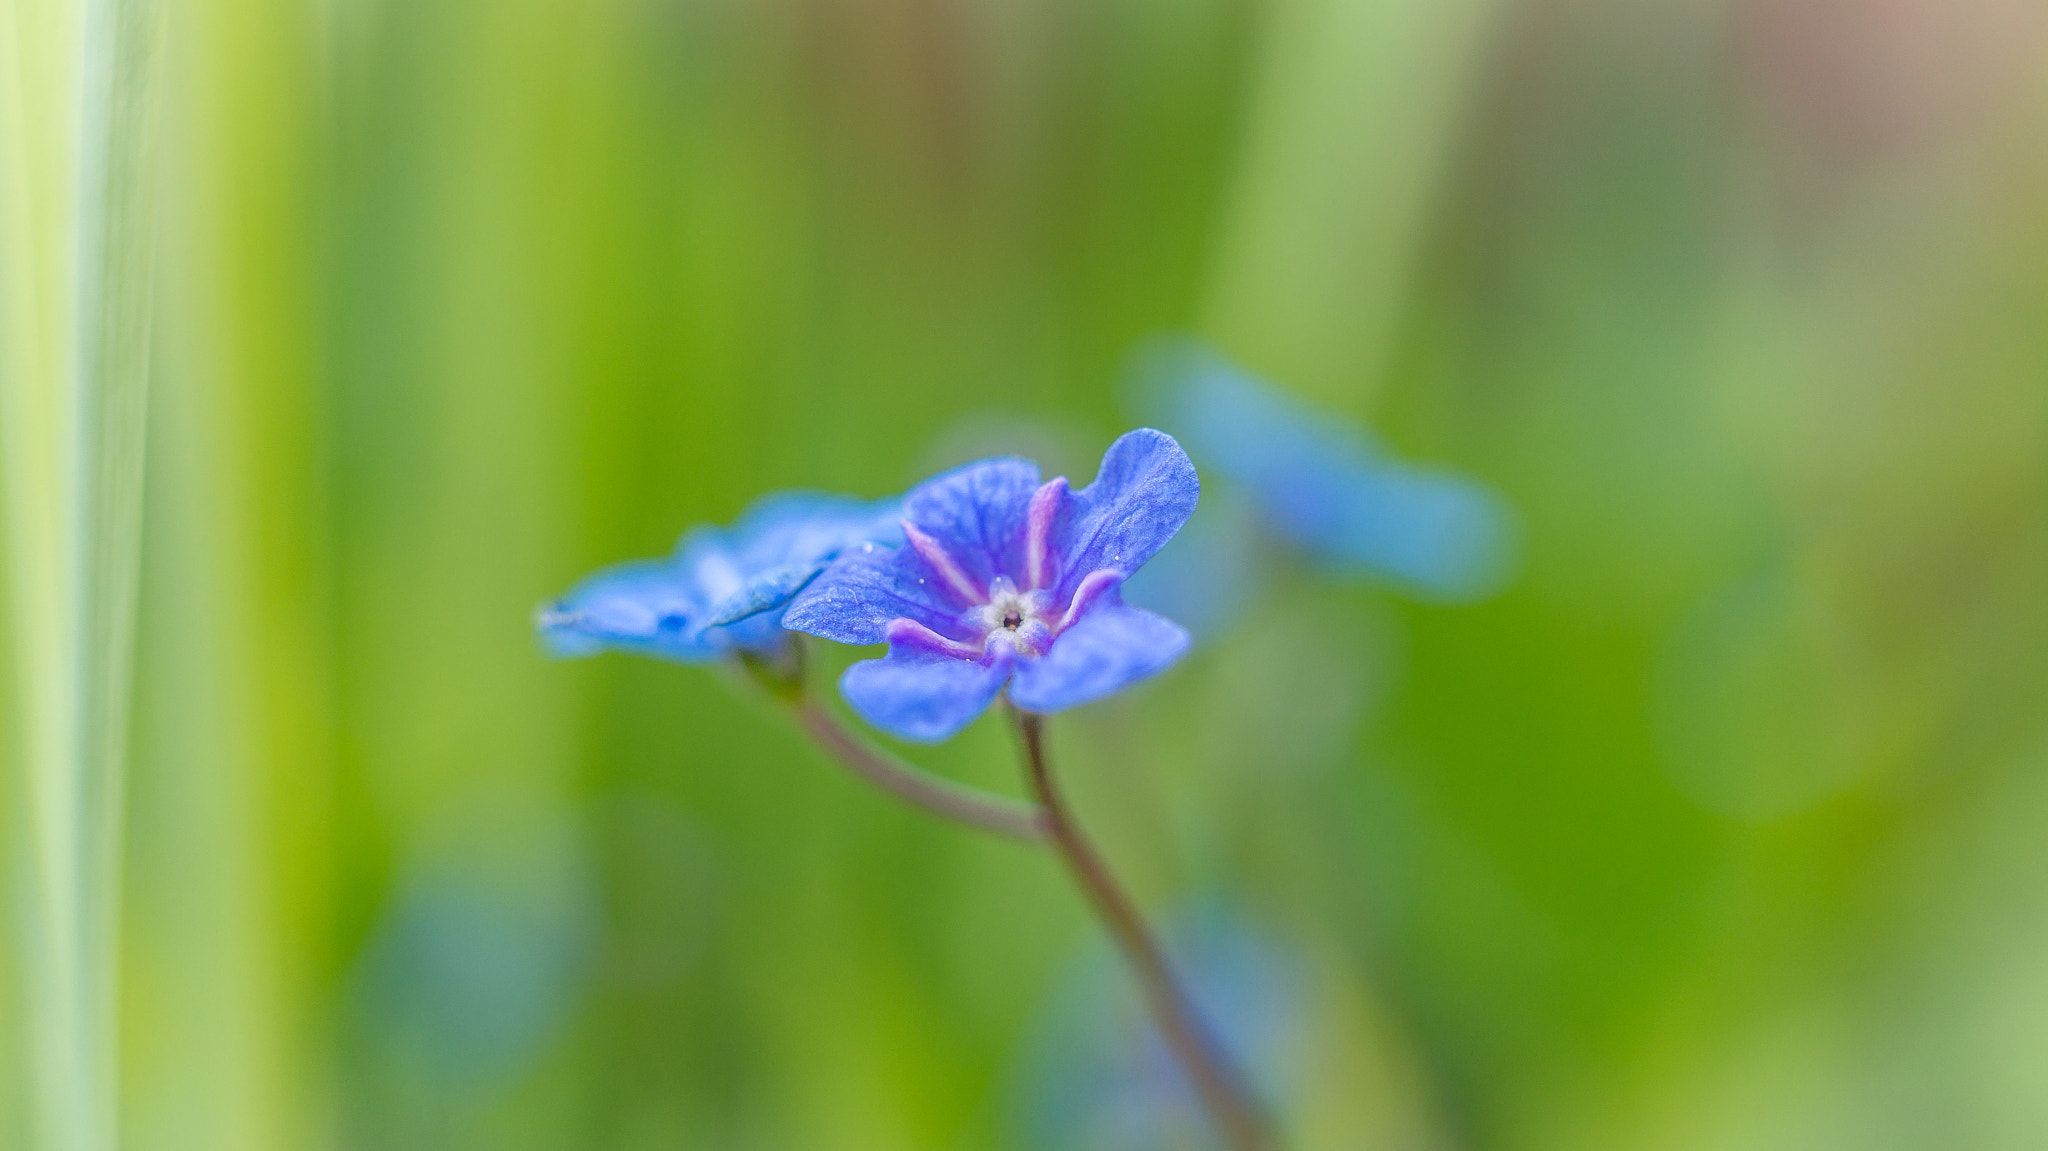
x: 1725, y: 825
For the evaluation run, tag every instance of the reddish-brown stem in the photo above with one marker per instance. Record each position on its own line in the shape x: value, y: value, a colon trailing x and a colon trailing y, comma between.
x: 941, y: 797
x: 1222, y: 1090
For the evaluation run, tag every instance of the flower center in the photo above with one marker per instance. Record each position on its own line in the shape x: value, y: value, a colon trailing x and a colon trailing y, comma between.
x: 1019, y: 619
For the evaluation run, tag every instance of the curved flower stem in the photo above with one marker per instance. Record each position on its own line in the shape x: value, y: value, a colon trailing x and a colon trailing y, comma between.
x: 941, y: 797
x: 1222, y: 1090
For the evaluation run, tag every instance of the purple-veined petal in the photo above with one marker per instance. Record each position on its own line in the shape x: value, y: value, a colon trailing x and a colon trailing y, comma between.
x: 855, y: 599
x: 920, y: 694
x: 1092, y: 587
x: 1040, y: 565
x: 976, y: 513
x: 1109, y: 648
x: 1144, y: 492
x: 944, y: 566
x: 910, y: 633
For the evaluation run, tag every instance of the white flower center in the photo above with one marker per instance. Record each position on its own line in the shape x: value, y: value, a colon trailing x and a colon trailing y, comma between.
x: 1021, y: 619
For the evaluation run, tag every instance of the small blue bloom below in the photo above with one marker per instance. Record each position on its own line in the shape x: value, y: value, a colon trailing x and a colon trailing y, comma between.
x: 474, y: 966
x: 1322, y: 484
x: 1003, y: 579
x: 723, y: 589
x: 1097, y: 1074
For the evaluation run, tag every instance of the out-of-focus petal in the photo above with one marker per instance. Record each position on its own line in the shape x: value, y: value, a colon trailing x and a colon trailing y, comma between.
x: 1144, y: 491
x: 1440, y: 534
x: 643, y: 606
x: 775, y: 548
x: 1322, y: 484
x: 765, y: 591
x: 706, y: 566
x: 976, y: 512
x: 473, y: 968
x: 758, y: 633
x: 853, y: 600
x: 1098, y: 1075
x: 919, y: 694
x: 802, y: 527
x: 1241, y: 425
x: 1112, y: 646
x: 723, y: 587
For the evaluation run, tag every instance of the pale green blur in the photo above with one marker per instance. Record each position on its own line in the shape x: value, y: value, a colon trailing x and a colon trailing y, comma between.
x: 1721, y: 828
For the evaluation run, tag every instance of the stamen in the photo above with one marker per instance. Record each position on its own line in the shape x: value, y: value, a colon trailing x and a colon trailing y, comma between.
x: 1045, y: 507
x: 1030, y: 639
x: 949, y: 569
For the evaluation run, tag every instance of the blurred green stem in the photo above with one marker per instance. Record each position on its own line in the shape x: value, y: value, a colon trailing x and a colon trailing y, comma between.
x: 941, y: 797
x: 1223, y: 1091
x: 77, y: 219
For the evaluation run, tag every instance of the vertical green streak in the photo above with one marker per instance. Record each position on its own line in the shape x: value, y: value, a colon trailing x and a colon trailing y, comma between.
x: 76, y: 99
x: 1356, y: 108
x: 227, y: 914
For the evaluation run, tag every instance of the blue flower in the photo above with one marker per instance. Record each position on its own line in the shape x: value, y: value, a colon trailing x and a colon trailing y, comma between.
x: 724, y: 588
x: 1003, y: 579
x: 1323, y: 485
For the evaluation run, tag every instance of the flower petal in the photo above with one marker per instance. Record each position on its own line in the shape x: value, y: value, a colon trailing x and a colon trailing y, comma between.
x: 854, y: 600
x: 765, y: 591
x: 775, y: 548
x: 1107, y: 649
x: 942, y: 564
x: 920, y: 694
x: 800, y: 527
x: 643, y: 606
x: 1144, y: 492
x: 1216, y: 568
x: 1244, y: 427
x: 1093, y: 587
x: 977, y: 512
x: 1442, y: 535
x: 1323, y: 484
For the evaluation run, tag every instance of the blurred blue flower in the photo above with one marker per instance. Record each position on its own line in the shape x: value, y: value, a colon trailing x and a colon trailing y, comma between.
x: 1319, y: 484
x: 723, y: 588
x: 1007, y: 580
x: 475, y: 964
x: 1098, y: 1076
